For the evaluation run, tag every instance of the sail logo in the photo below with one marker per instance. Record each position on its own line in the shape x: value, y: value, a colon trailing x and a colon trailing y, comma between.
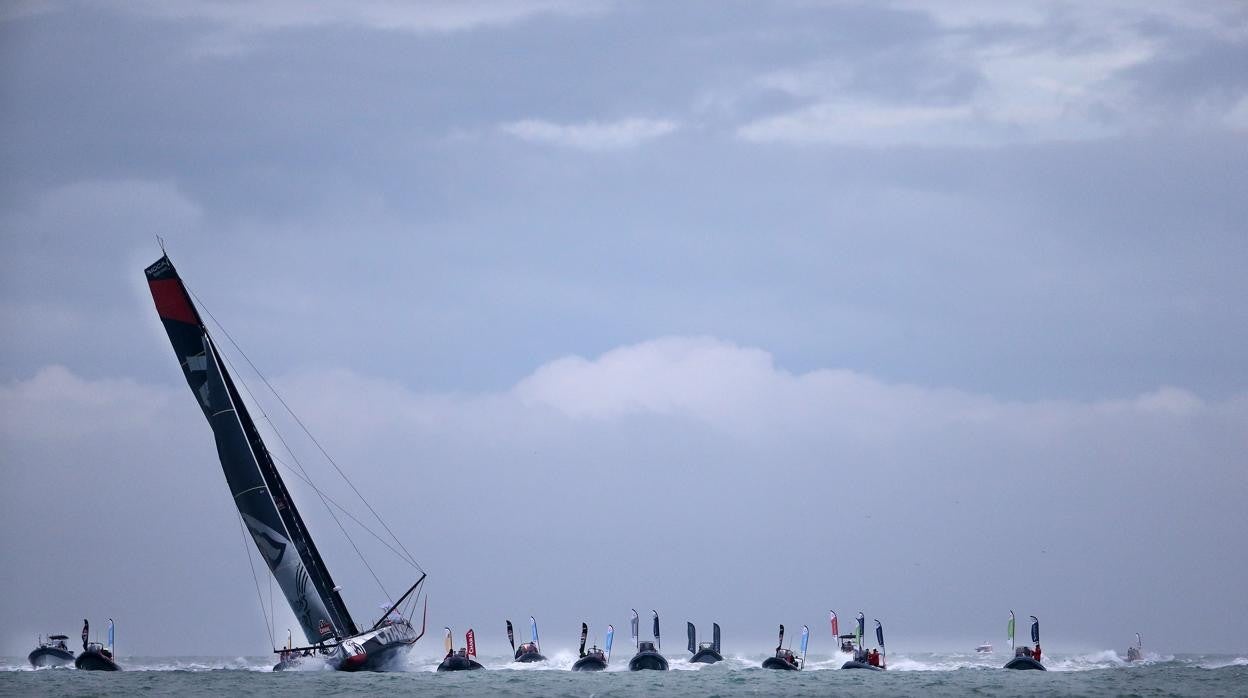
x: 272, y: 548
x: 271, y: 543
x: 325, y: 628
x: 159, y: 267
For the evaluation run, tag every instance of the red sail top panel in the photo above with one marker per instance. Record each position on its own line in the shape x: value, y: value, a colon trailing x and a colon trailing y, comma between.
x: 171, y: 301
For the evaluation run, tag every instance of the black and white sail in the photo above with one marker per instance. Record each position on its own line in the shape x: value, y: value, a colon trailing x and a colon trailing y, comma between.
x: 259, y: 493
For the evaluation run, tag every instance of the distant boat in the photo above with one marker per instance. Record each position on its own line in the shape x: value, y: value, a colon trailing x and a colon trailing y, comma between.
x: 266, y: 507
x: 875, y: 660
x: 706, y: 652
x: 530, y: 651
x: 51, y: 652
x: 846, y: 641
x: 1136, y: 652
x: 288, y: 658
x: 463, y: 659
x: 95, y: 656
x: 593, y: 659
x: 647, y: 656
x: 1024, y: 657
x: 984, y: 648
x: 784, y: 659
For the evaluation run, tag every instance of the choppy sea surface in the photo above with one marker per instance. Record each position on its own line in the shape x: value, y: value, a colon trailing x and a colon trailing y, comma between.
x: 1097, y: 674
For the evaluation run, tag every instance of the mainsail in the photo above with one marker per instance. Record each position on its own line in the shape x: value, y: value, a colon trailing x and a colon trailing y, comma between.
x: 259, y: 493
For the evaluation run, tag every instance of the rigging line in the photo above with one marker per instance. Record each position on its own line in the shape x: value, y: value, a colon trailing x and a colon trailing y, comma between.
x: 295, y: 458
x: 302, y: 426
x: 268, y: 624
x: 341, y: 508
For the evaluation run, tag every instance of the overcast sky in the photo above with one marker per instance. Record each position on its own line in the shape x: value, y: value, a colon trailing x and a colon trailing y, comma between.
x: 741, y: 311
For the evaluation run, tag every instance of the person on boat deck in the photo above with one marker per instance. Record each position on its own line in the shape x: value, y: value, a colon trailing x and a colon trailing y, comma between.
x: 874, y: 658
x: 1036, y: 654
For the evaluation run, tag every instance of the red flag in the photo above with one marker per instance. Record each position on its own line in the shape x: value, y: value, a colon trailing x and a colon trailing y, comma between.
x: 470, y: 639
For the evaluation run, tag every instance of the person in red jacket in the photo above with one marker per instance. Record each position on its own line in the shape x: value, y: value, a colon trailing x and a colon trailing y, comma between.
x: 1036, y: 653
x: 874, y: 658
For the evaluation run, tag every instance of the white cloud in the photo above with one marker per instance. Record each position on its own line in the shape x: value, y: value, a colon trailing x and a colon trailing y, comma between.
x: 850, y: 123
x: 1237, y: 117
x: 591, y: 135
x: 57, y: 404
x: 1032, y: 88
x: 388, y: 15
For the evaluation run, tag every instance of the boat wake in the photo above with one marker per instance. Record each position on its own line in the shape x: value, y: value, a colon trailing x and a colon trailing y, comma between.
x: 562, y: 661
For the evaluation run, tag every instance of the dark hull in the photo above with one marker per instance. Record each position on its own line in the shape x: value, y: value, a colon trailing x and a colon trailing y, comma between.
x: 706, y: 656
x: 647, y: 661
x: 378, y: 657
x: 859, y: 665
x: 1024, y: 663
x: 590, y: 663
x: 458, y: 664
x: 94, y: 661
x: 530, y: 657
x: 778, y: 663
x: 50, y: 656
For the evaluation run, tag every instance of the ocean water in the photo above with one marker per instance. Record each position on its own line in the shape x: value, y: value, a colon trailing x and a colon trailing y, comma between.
x: 1096, y: 674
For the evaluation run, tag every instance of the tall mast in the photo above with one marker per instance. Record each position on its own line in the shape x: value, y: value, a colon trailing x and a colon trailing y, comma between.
x: 258, y: 490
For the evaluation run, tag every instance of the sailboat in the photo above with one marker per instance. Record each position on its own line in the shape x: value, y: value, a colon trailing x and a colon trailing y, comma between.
x: 647, y: 656
x: 784, y: 658
x: 530, y: 651
x: 593, y: 659
x: 863, y: 659
x: 706, y: 652
x: 265, y: 505
x: 1023, y: 656
x: 1136, y: 652
x: 464, y: 659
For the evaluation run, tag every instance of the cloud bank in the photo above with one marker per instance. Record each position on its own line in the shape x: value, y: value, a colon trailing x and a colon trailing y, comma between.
x: 676, y: 432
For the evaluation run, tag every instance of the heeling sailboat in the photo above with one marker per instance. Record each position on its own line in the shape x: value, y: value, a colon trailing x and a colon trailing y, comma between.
x: 264, y: 503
